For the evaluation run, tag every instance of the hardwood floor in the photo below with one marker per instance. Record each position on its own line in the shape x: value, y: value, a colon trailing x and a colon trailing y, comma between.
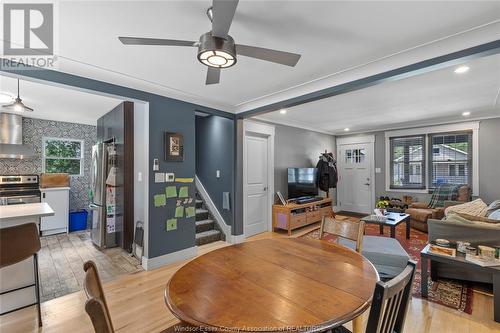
x: 136, y: 305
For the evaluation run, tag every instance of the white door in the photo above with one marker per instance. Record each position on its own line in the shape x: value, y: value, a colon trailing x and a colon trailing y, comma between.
x: 355, y: 182
x: 257, y: 200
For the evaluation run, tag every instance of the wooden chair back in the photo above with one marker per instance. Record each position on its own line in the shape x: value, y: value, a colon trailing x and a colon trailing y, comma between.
x: 96, y: 306
x: 345, y: 229
x: 390, y: 302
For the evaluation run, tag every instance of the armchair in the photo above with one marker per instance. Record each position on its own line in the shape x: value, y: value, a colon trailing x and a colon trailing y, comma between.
x: 420, y: 212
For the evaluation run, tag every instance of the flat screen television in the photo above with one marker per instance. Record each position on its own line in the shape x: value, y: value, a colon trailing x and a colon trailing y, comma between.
x: 302, y: 182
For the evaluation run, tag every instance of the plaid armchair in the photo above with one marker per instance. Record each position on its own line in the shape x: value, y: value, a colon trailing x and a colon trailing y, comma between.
x: 420, y: 212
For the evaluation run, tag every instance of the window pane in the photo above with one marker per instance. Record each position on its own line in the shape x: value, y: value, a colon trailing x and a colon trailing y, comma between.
x: 63, y: 148
x: 451, y: 159
x: 408, y: 161
x: 71, y: 167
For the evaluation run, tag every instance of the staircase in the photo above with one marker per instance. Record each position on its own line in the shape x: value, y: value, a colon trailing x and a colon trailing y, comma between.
x: 207, y: 230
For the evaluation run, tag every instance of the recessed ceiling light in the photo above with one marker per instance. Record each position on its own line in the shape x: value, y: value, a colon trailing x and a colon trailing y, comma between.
x: 6, y: 98
x: 461, y: 69
x: 346, y: 129
x: 283, y: 111
x: 466, y: 113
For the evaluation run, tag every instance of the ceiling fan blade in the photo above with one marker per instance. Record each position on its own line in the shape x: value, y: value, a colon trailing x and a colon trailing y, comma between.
x: 155, y: 41
x: 223, y: 13
x: 8, y: 106
x: 280, y: 57
x: 213, y: 75
x: 28, y: 109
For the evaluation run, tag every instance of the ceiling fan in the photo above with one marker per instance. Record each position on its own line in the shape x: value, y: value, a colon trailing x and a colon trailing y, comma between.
x: 18, y: 104
x: 216, y: 49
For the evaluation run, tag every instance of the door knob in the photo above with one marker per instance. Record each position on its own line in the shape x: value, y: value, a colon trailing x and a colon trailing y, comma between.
x: 367, y: 184
x: 265, y: 188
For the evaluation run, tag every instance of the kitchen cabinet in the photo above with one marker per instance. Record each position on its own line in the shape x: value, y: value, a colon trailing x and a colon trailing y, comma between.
x: 58, y: 199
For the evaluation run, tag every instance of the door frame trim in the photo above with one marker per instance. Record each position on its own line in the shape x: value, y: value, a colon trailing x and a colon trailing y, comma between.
x: 268, y: 131
x: 352, y: 140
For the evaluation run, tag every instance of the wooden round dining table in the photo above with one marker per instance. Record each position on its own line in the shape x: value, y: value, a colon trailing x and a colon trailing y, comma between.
x: 284, y: 284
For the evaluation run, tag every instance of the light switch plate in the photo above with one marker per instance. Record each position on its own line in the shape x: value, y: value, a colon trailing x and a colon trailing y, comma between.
x: 217, y: 174
x: 159, y: 177
x: 169, y: 177
x: 378, y: 170
x: 156, y: 164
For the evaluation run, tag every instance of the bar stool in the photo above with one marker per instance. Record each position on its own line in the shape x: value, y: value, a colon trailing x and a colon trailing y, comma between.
x: 18, y: 243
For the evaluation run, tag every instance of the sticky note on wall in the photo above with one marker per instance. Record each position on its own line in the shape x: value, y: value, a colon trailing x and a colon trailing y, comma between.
x: 171, y: 192
x: 160, y: 200
x: 171, y: 224
x: 179, y: 211
x: 190, y: 212
x: 183, y: 192
x: 184, y: 180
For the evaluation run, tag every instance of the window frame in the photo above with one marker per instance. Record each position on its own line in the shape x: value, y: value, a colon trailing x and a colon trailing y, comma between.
x: 81, y: 158
x: 423, y: 169
x: 458, y: 127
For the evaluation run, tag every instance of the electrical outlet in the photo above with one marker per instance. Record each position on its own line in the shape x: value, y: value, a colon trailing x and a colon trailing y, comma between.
x: 217, y: 174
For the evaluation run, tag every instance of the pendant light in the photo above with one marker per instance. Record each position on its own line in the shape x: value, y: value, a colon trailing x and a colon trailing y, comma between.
x: 18, y: 104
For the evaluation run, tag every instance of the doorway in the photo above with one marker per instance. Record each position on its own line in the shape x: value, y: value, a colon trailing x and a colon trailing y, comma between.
x: 258, y: 177
x: 355, y: 160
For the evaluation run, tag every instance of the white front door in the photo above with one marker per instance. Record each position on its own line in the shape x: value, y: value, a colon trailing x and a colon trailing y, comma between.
x: 257, y: 193
x: 355, y: 182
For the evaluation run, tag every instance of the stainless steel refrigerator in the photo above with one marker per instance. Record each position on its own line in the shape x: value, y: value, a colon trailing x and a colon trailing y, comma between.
x: 100, y: 234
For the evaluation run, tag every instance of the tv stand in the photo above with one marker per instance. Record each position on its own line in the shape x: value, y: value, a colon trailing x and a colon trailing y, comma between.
x: 294, y: 215
x: 304, y: 200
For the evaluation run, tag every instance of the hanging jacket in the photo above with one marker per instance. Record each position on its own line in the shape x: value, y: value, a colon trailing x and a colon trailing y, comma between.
x: 327, y: 175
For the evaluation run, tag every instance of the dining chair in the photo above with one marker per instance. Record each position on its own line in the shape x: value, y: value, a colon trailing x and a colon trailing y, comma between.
x: 96, y: 305
x: 390, y: 304
x: 344, y: 229
x: 19, y: 243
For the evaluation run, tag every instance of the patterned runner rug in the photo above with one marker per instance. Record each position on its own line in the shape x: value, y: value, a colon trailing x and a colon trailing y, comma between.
x: 451, y: 293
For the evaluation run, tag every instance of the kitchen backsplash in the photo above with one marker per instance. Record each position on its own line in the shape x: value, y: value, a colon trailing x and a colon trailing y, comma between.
x: 33, y: 131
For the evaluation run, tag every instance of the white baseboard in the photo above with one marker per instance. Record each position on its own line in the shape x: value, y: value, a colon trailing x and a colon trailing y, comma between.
x: 236, y: 239
x: 226, y: 229
x: 156, y: 262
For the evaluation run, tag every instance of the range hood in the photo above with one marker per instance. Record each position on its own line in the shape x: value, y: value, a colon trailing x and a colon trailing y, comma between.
x: 11, y: 137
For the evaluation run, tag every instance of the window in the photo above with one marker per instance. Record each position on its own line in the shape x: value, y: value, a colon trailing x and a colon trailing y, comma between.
x: 455, y: 153
x: 62, y: 155
x: 407, y: 162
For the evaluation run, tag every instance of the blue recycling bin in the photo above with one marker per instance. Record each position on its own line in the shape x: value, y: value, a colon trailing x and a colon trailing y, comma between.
x: 78, y: 220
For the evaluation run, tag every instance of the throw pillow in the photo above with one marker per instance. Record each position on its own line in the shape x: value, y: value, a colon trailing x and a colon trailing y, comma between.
x: 495, y: 215
x: 475, y: 208
x: 442, y: 193
x: 495, y: 205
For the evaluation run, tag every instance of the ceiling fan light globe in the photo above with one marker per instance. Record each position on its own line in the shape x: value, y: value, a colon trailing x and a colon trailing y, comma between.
x: 18, y: 107
x: 216, y: 52
x: 217, y: 60
x: 206, y: 54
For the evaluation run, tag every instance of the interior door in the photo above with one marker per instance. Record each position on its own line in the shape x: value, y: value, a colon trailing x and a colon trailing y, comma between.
x: 257, y: 200
x: 355, y: 183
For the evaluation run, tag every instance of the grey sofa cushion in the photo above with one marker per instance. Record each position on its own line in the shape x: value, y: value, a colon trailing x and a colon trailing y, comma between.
x: 386, y: 254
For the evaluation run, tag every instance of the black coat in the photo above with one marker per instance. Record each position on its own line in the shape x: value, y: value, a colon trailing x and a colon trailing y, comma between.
x: 327, y: 175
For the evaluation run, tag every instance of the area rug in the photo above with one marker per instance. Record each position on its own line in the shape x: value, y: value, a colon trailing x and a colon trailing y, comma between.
x: 451, y: 293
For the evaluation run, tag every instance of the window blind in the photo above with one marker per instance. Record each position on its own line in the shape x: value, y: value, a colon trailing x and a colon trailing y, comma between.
x: 407, y: 162
x: 450, y: 156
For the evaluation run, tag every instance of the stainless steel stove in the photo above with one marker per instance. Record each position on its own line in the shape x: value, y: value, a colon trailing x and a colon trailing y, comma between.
x: 19, y: 189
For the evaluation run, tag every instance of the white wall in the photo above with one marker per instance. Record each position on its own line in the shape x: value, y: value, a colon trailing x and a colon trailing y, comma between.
x: 141, y: 149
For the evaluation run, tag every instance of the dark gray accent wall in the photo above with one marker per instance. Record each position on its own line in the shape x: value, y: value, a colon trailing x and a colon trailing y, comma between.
x: 297, y: 148
x: 215, y: 151
x: 489, y: 164
x: 33, y: 132
x: 237, y: 228
x: 165, y: 114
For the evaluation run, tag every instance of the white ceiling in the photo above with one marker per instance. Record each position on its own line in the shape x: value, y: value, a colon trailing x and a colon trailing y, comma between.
x: 332, y: 36
x: 436, y: 97
x: 58, y: 103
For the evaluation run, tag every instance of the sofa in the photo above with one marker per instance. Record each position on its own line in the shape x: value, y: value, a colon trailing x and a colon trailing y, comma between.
x: 420, y: 212
x: 458, y: 228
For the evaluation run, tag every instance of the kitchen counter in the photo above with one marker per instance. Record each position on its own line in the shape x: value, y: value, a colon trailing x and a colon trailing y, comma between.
x: 25, y: 211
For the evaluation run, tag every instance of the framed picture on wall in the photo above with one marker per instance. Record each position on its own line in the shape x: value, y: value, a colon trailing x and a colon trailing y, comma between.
x: 174, y: 147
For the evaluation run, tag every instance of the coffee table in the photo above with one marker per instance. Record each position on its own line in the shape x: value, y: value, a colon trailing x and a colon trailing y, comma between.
x: 460, y: 262
x: 393, y: 220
